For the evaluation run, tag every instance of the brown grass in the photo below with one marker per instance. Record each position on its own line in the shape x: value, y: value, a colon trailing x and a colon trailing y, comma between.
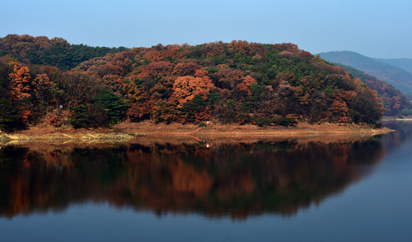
x: 148, y: 131
x: 234, y: 130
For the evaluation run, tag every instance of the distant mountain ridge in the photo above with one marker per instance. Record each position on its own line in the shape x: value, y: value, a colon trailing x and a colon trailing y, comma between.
x: 395, y: 101
x: 403, y: 63
x: 397, y: 77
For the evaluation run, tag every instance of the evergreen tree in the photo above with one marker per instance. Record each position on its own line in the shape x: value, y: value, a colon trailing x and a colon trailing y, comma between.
x: 114, y: 107
x: 80, y: 117
x: 8, y: 116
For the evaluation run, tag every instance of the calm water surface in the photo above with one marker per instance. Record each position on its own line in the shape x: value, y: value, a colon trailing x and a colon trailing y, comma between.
x: 262, y: 191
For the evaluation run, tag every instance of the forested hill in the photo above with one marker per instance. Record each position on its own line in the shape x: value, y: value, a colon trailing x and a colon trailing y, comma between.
x: 395, y: 101
x: 397, y: 77
x: 52, y: 52
x: 237, y: 82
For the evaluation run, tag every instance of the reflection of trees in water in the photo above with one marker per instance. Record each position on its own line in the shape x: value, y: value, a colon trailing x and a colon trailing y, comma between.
x: 236, y: 180
x: 403, y: 132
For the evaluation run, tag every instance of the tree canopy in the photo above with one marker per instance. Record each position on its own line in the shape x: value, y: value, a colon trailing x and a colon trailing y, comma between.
x: 237, y: 82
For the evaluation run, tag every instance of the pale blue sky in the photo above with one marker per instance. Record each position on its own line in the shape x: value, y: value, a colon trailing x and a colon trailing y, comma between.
x: 380, y: 29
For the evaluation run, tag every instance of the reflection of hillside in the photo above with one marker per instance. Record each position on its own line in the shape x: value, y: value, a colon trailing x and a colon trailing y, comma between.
x: 403, y: 132
x: 238, y: 180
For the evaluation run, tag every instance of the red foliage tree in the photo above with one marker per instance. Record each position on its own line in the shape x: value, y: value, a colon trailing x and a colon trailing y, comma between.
x: 156, y: 69
x: 140, y: 111
x: 186, y: 69
x: 228, y: 78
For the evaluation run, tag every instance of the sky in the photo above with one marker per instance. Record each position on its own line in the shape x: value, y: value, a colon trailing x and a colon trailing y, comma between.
x: 378, y: 29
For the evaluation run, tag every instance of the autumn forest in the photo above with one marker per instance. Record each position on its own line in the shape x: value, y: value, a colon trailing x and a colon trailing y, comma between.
x: 50, y: 81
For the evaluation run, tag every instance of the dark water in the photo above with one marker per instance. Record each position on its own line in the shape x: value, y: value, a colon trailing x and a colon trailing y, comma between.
x: 262, y: 191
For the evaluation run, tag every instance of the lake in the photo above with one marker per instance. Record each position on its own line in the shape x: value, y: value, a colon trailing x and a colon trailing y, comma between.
x: 189, y: 190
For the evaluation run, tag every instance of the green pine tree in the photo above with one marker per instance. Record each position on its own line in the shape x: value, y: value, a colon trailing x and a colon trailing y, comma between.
x: 8, y: 116
x: 80, y: 117
x: 114, y: 107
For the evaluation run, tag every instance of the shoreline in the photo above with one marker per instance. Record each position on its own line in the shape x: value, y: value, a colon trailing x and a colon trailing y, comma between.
x: 125, y: 132
x: 394, y: 118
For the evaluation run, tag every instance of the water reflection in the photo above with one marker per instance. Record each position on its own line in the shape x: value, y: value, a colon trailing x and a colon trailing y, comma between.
x: 236, y: 180
x: 403, y: 133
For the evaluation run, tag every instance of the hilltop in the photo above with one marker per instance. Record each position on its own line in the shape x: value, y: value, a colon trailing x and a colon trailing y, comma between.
x: 50, y: 52
x: 237, y: 82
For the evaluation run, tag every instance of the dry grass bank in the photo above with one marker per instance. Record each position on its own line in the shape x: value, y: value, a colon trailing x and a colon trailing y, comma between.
x: 150, y: 132
x: 234, y: 130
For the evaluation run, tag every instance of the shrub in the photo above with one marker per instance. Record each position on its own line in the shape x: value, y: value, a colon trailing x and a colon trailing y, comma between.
x: 263, y: 121
x: 55, y: 121
x: 284, y: 121
x: 212, y: 70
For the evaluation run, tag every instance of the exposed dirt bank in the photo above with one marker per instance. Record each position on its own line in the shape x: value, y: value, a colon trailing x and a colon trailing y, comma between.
x: 146, y: 131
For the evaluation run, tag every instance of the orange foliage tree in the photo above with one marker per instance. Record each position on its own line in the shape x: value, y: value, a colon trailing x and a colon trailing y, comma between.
x: 340, y: 109
x: 20, y: 88
x: 19, y: 81
x: 41, y: 89
x: 186, y: 87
